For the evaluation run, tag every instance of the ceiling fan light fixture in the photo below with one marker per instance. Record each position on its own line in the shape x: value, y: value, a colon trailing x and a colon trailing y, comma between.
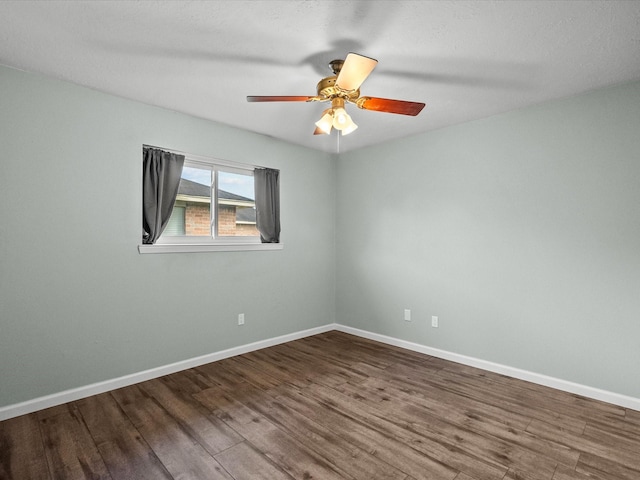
x: 341, y: 118
x: 342, y: 121
x: 349, y: 128
x: 326, y: 121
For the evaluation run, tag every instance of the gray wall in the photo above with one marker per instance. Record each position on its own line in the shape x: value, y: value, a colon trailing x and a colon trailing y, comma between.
x: 78, y: 304
x: 520, y: 231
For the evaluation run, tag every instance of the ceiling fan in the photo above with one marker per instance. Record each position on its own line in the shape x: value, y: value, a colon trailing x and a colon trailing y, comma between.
x: 344, y: 87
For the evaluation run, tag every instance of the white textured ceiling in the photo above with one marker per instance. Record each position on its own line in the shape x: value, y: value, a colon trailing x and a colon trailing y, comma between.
x: 464, y: 59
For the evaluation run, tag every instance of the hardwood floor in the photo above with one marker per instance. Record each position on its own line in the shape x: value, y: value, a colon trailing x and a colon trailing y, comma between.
x: 332, y: 406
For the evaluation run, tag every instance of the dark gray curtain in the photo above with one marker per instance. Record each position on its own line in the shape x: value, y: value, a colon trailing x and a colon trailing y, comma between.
x: 161, y: 173
x: 267, y: 191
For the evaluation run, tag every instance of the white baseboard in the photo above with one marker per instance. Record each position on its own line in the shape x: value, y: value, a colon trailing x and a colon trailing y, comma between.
x: 59, y: 398
x: 52, y: 400
x: 559, y: 384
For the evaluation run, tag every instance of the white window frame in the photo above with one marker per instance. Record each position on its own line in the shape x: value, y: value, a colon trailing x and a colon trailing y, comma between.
x: 197, y: 244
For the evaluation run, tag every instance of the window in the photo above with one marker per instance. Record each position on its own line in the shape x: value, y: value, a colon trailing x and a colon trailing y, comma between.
x: 214, y: 207
x: 229, y: 190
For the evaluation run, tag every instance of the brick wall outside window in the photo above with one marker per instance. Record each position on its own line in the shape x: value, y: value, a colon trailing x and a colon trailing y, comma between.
x: 226, y: 220
x: 197, y: 218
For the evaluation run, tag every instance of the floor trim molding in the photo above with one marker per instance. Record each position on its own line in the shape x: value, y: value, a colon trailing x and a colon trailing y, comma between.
x: 559, y: 384
x: 52, y: 400
x: 59, y: 398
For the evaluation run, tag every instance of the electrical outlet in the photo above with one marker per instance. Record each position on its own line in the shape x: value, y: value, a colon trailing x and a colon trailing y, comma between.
x: 407, y: 315
x: 241, y: 319
x: 434, y: 321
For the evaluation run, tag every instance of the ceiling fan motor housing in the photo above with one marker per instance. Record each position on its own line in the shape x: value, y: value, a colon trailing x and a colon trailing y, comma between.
x: 328, y: 89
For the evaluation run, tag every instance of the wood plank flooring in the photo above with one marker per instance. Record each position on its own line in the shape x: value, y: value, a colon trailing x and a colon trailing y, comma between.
x: 327, y: 407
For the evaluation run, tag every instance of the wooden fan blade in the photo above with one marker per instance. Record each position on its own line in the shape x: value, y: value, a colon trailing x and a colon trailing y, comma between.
x: 278, y: 99
x: 390, y: 106
x: 354, y: 71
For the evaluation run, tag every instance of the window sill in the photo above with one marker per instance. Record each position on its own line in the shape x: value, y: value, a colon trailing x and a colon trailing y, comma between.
x: 200, y: 248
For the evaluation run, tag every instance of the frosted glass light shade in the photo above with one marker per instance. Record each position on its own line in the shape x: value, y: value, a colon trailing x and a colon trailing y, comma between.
x: 326, y: 122
x: 342, y: 121
x: 340, y: 118
x: 350, y: 128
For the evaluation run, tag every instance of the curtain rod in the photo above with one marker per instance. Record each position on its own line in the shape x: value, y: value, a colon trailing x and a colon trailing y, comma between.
x: 193, y: 156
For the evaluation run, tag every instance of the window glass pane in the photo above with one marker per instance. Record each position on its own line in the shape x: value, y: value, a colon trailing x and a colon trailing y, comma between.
x: 236, y: 205
x: 194, y: 193
x: 197, y: 175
